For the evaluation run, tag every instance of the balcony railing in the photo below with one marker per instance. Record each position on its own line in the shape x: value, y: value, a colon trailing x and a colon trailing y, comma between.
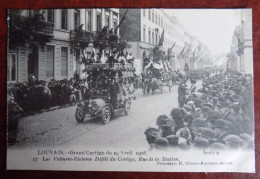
x: 33, y: 25
x: 82, y: 36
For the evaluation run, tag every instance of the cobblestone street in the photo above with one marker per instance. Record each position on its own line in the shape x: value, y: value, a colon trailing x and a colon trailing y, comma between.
x: 59, y: 128
x: 77, y: 81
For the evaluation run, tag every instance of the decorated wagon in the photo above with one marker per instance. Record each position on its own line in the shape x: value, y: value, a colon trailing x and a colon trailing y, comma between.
x: 111, y: 91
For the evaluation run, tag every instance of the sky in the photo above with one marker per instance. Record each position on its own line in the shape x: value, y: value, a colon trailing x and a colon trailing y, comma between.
x: 213, y: 27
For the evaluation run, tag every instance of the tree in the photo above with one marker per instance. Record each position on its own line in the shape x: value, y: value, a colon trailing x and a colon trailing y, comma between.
x: 106, y: 42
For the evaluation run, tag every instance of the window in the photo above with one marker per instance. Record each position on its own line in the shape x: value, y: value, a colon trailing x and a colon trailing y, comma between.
x: 88, y: 17
x: 152, y: 37
x: 152, y: 16
x: 155, y: 18
x: 107, y: 21
x: 76, y: 20
x: 99, y: 25
x: 149, y: 36
x: 64, y: 61
x: 11, y: 67
x: 50, y: 62
x: 30, y: 13
x: 64, y: 19
x: 115, y: 23
x: 50, y: 15
x: 144, y: 34
x: 144, y: 12
x: 156, y: 37
x: 149, y: 14
x: 161, y: 22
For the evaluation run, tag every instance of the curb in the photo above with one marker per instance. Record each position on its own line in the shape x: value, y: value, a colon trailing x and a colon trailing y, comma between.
x: 49, y: 109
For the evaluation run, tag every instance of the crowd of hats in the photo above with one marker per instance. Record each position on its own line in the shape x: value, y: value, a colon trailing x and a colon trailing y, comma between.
x: 37, y: 95
x: 34, y: 96
x: 194, y: 74
x: 217, y: 116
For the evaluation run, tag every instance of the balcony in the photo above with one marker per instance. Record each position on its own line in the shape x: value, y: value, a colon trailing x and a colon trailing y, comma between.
x: 82, y: 38
x: 34, y: 28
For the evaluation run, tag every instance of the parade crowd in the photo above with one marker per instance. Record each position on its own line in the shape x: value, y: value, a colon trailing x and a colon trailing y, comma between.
x: 217, y: 116
x: 36, y: 95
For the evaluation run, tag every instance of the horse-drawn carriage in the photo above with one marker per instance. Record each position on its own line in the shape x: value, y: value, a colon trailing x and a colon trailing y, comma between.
x: 156, y: 77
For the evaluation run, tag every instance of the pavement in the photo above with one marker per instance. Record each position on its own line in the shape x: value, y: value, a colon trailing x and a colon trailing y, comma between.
x: 59, y: 128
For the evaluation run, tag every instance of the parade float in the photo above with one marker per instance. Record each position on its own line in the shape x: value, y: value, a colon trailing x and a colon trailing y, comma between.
x: 109, y: 78
x: 157, y: 71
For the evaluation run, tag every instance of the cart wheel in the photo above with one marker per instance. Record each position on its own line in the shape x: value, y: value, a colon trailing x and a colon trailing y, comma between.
x: 106, y: 114
x: 79, y: 115
x: 127, y: 107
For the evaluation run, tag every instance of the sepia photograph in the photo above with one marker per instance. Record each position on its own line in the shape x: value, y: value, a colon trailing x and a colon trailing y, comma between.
x: 110, y: 89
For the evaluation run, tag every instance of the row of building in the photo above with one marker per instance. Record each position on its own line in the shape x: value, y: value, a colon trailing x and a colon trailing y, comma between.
x: 143, y: 29
x: 45, y: 43
x: 240, y: 57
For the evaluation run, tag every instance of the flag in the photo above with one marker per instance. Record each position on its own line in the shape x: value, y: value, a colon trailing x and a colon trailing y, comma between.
x: 161, y: 39
x: 121, y: 21
x: 182, y: 50
x: 194, y: 52
x: 172, y: 46
x: 188, y: 49
x: 170, y: 50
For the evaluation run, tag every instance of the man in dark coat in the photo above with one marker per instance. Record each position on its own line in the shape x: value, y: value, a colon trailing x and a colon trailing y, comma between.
x: 114, y: 91
x: 182, y: 94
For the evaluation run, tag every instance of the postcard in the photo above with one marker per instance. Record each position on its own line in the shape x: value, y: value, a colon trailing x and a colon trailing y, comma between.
x: 110, y: 89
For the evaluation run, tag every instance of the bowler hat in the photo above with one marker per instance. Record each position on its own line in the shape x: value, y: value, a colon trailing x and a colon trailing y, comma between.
x: 233, y: 141
x: 206, y: 133
x: 200, y: 142
x: 221, y: 123
x: 161, y: 142
x: 177, y: 113
x: 198, y: 122
x: 164, y: 120
x: 218, y: 146
x: 173, y: 140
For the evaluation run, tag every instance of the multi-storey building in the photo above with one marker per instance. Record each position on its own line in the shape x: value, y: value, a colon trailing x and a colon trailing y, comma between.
x: 247, y: 56
x: 45, y: 43
x: 240, y: 58
x: 143, y: 29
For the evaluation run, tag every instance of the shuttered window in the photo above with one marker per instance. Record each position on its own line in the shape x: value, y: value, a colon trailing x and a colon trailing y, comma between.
x: 11, y: 67
x: 76, y: 19
x: 64, y: 19
x: 99, y: 25
x: 89, y: 21
x: 50, y: 62
x: 50, y: 15
x: 64, y: 61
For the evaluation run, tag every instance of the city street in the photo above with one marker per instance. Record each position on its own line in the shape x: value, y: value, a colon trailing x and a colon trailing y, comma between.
x: 58, y: 57
x: 59, y: 128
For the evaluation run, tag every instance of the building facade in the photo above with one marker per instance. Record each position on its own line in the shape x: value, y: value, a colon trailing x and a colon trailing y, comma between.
x: 40, y: 41
x: 149, y: 25
x: 146, y: 32
x: 240, y: 58
x: 247, y: 56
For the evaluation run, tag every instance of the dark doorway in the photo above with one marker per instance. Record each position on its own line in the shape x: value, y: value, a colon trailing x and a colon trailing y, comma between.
x: 33, y: 62
x: 78, y: 62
